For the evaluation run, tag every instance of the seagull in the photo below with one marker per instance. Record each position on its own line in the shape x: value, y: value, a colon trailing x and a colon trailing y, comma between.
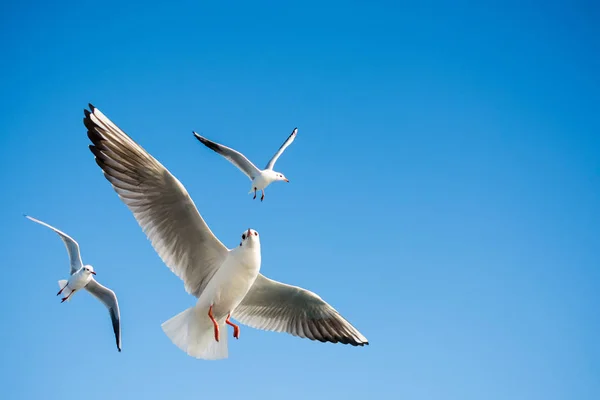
x: 260, y: 178
x: 82, y: 277
x: 226, y: 282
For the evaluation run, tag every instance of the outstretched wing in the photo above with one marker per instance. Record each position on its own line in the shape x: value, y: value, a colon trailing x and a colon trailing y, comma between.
x: 70, y: 243
x: 285, y: 144
x: 234, y: 156
x: 275, y: 306
x: 158, y: 201
x: 109, y: 299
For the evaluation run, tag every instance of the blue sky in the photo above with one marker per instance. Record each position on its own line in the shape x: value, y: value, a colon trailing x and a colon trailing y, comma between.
x: 444, y: 195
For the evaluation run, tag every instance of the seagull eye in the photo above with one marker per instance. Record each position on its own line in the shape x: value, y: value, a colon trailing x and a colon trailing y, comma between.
x: 255, y: 233
x: 244, y: 236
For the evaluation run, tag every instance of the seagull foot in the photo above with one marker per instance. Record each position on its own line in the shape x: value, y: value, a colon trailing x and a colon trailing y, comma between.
x: 236, y: 329
x: 67, y: 297
x: 262, y: 197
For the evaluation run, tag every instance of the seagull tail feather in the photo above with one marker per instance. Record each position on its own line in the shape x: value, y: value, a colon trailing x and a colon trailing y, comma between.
x: 193, y: 332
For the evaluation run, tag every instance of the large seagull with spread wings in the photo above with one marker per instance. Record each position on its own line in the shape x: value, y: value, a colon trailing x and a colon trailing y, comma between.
x: 226, y: 281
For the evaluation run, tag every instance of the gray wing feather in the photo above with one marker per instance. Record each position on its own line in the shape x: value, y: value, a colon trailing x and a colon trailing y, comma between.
x: 285, y: 144
x: 234, y: 156
x: 275, y: 306
x: 158, y: 201
x: 109, y: 299
x: 70, y: 243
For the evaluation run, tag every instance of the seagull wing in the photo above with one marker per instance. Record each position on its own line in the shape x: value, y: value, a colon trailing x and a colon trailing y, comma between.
x: 109, y: 299
x: 158, y: 201
x: 275, y: 306
x: 70, y: 243
x: 234, y: 156
x: 285, y: 144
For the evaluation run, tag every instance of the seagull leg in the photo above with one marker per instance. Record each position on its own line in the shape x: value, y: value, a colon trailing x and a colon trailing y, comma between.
x: 236, y: 329
x: 67, y: 298
x: 210, y: 314
x: 263, y: 195
x: 254, y: 198
x: 61, y: 290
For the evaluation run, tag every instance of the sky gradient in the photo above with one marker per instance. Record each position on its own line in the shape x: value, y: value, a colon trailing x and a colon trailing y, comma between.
x: 444, y: 193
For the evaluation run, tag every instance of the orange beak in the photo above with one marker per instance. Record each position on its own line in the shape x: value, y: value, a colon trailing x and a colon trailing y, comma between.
x: 286, y: 179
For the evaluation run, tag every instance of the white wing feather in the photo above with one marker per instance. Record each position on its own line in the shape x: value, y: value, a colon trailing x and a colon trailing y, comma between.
x: 158, y: 201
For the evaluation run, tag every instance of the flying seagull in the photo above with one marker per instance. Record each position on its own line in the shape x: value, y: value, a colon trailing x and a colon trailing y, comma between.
x: 226, y: 281
x: 82, y: 277
x: 260, y: 178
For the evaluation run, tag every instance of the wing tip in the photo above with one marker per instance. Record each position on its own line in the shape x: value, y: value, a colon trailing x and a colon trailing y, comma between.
x: 211, y: 145
x: 198, y: 136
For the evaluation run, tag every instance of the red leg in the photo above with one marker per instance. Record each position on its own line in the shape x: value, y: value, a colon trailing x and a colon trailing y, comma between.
x: 236, y: 329
x: 210, y: 314
x: 66, y: 298
x: 254, y: 198
x: 61, y: 290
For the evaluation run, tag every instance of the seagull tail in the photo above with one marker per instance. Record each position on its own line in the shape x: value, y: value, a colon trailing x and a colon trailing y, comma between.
x: 193, y: 332
x: 62, y: 284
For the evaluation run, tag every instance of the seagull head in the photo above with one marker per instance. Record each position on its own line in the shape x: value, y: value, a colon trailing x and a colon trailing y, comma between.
x: 249, y: 238
x: 89, y: 269
x: 280, y: 177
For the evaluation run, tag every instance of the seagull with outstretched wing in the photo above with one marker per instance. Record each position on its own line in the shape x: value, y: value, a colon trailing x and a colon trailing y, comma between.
x: 82, y: 277
x: 261, y: 178
x: 226, y: 281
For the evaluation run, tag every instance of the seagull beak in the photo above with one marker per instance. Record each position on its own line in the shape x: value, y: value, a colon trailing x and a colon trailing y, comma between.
x: 287, y: 180
x: 93, y: 272
x: 248, y: 233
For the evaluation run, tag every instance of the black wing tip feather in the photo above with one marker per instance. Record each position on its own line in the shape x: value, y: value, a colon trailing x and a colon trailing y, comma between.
x: 116, y: 323
x: 87, y: 112
x: 332, y: 331
x: 211, y: 145
x: 202, y: 139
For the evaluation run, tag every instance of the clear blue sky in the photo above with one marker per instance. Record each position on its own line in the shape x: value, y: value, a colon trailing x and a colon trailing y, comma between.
x: 444, y: 195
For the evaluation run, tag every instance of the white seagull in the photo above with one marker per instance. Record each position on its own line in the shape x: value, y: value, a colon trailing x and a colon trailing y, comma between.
x: 226, y: 281
x: 81, y: 277
x: 260, y: 178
